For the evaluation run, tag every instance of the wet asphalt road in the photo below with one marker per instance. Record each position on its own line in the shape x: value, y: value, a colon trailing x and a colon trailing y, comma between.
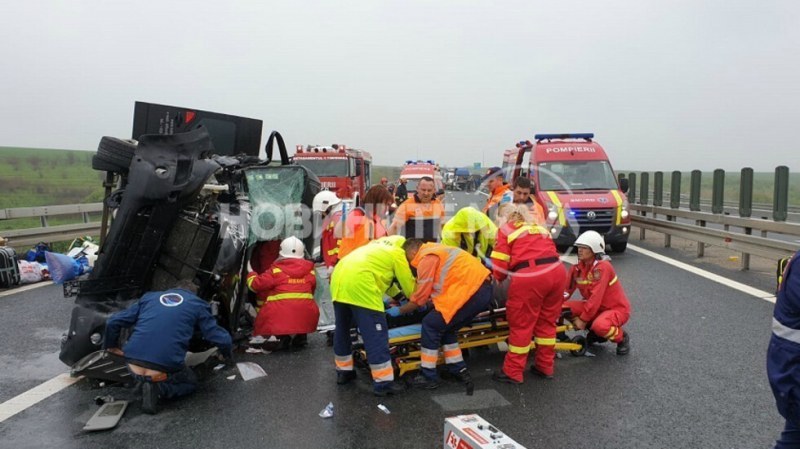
x: 695, y: 378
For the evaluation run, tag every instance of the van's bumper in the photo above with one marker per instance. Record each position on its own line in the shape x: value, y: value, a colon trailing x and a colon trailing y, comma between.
x: 616, y: 234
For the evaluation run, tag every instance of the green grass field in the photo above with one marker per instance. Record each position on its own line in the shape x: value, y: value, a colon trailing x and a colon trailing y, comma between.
x: 763, y: 186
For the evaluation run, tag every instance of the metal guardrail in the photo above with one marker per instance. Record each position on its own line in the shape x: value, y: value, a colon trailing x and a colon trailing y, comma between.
x: 744, y: 241
x: 45, y: 233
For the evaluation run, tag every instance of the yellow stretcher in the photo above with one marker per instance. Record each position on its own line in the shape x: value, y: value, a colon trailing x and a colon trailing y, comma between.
x: 488, y: 328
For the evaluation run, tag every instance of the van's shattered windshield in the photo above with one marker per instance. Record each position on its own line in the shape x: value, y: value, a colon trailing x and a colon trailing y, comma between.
x: 576, y: 175
x: 326, y: 167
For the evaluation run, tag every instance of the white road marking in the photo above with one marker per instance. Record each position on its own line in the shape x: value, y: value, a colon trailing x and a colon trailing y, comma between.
x: 36, y: 394
x: 761, y: 294
x: 25, y: 288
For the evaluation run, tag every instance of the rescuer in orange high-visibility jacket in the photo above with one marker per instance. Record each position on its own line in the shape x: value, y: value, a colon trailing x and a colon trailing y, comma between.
x: 326, y: 203
x: 499, y: 191
x: 286, y: 296
x: 525, y: 252
x: 421, y: 216
x: 606, y: 308
x: 460, y: 287
x: 360, y: 226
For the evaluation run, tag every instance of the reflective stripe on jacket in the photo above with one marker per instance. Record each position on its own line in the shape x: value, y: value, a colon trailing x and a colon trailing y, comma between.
x: 458, y: 277
x: 783, y: 354
x: 420, y: 220
x: 500, y: 195
x: 284, y: 279
x: 520, y: 242
x: 329, y: 244
x: 367, y: 273
x: 600, y: 286
x: 460, y: 231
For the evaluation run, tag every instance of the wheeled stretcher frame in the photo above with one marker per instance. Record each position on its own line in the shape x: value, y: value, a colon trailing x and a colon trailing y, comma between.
x: 488, y: 328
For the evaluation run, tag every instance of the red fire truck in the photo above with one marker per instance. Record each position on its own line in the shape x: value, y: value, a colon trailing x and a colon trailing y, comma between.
x: 340, y: 169
x: 575, y: 182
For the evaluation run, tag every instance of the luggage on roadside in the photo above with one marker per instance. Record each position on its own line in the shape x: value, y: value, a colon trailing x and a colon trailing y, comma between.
x: 30, y: 272
x: 9, y: 268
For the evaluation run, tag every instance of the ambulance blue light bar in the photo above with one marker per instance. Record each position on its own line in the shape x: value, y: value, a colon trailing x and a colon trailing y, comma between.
x: 587, y: 136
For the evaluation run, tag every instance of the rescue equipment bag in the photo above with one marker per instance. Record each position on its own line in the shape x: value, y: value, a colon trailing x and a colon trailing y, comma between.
x: 9, y: 268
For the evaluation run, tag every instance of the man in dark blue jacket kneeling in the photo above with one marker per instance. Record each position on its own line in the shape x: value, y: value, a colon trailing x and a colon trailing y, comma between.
x: 783, y: 355
x: 163, y: 324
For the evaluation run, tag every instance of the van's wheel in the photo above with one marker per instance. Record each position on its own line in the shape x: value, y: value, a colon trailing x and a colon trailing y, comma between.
x: 581, y: 340
x: 114, y: 154
x: 619, y: 247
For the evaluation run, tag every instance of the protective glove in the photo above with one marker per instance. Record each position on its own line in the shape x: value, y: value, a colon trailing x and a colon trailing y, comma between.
x: 393, y: 312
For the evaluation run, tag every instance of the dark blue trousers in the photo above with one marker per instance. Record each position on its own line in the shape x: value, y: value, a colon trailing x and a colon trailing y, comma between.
x: 374, y: 332
x: 435, y: 332
x: 181, y: 383
x: 790, y: 437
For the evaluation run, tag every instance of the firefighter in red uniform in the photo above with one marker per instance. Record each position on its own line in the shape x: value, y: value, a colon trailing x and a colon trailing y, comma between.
x: 286, y: 296
x: 325, y: 203
x: 606, y: 308
x: 525, y: 252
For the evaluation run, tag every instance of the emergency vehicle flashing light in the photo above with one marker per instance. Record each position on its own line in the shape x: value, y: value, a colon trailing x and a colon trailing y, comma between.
x: 524, y: 144
x: 587, y: 136
x: 410, y: 162
x: 316, y: 149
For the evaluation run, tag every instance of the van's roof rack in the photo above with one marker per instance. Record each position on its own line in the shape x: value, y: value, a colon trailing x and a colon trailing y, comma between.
x: 587, y: 136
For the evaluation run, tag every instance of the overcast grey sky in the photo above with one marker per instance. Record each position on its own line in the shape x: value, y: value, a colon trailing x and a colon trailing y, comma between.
x: 663, y: 85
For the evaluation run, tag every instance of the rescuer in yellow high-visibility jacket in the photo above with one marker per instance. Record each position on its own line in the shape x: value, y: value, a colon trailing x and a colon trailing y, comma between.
x: 468, y: 227
x: 358, y: 284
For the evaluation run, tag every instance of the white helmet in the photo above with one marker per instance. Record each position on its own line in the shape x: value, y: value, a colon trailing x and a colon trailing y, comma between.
x: 592, y: 240
x: 292, y: 248
x: 324, y: 200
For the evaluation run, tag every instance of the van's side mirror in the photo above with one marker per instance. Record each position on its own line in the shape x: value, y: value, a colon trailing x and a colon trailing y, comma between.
x: 623, y: 185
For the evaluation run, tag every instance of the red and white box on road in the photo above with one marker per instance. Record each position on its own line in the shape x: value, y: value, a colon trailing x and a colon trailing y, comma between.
x: 474, y: 432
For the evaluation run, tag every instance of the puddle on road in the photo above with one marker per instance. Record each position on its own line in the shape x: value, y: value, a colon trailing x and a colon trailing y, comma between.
x: 37, y: 366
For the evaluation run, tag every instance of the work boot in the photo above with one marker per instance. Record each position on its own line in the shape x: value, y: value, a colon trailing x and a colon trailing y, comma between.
x: 465, y: 378
x: 593, y: 339
x: 299, y: 341
x: 344, y: 377
x: 500, y: 376
x: 535, y: 371
x: 150, y: 398
x: 624, y: 347
x: 285, y: 342
x: 462, y: 376
x: 426, y: 383
x: 388, y: 388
